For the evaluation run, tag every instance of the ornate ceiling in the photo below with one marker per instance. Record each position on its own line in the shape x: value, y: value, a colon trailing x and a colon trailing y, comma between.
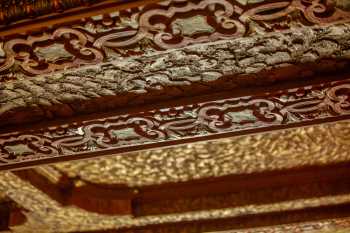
x: 87, y: 79
x: 281, y: 150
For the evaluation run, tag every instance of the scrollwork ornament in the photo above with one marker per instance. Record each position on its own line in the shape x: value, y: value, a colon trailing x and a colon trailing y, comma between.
x: 161, y: 26
x: 74, y: 44
x: 282, y: 108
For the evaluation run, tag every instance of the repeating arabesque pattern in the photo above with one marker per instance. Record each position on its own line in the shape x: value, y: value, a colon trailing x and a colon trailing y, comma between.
x: 166, y: 25
x: 280, y: 108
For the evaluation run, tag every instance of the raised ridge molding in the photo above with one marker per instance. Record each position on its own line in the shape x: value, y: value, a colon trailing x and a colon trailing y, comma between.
x: 154, y: 27
x: 186, y: 122
x: 194, y: 70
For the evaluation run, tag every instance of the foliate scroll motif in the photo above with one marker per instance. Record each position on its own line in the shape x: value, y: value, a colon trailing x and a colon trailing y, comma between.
x: 64, y: 48
x: 162, y: 26
x: 280, y: 108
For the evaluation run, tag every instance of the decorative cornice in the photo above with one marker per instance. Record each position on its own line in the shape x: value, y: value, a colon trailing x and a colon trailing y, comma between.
x: 166, y: 25
x: 194, y: 70
x: 317, y: 138
x: 140, y: 129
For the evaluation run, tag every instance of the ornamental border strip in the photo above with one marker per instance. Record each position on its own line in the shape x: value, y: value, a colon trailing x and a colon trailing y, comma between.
x: 164, y: 126
x: 155, y: 27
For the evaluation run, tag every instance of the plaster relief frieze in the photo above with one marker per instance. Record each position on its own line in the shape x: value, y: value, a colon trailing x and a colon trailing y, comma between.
x: 162, y: 26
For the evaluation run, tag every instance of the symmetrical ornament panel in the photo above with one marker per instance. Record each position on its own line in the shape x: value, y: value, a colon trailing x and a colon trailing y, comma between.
x: 156, y: 27
x: 169, y: 125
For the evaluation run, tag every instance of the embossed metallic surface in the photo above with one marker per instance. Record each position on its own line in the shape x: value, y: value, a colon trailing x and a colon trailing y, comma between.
x: 316, y: 145
x: 324, y: 144
x: 46, y: 215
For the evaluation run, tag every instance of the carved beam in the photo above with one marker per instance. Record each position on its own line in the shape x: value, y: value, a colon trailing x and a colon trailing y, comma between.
x: 154, y: 27
x: 30, y: 92
x: 39, y: 14
x: 192, y: 71
x: 177, y: 122
x: 21, y: 16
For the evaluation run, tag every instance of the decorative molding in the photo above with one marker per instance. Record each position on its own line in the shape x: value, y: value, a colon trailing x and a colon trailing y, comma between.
x: 46, y: 214
x: 169, y: 125
x: 238, y: 165
x: 194, y: 70
x: 166, y: 25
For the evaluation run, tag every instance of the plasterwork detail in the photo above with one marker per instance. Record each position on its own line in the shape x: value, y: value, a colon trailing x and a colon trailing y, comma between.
x: 143, y: 30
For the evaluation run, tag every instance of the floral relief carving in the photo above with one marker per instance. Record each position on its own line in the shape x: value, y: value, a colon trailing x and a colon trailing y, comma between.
x: 283, y: 108
x: 12, y: 11
x: 161, y: 26
x: 193, y: 65
x: 27, y: 52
